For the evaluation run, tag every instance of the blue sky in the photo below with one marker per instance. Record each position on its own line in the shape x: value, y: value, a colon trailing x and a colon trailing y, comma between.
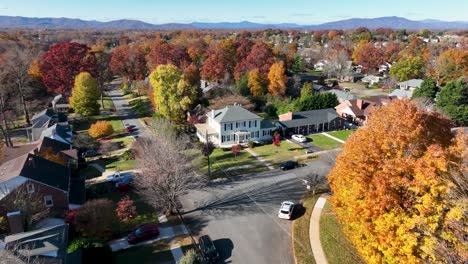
x: 263, y: 11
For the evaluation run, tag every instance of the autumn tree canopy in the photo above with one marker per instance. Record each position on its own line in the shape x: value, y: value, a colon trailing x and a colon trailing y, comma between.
x: 367, y: 55
x: 85, y: 95
x: 256, y: 83
x: 220, y: 61
x: 452, y: 65
x: 277, y: 79
x: 62, y: 63
x: 408, y: 68
x: 129, y: 62
x: 167, y: 53
x: 393, y: 187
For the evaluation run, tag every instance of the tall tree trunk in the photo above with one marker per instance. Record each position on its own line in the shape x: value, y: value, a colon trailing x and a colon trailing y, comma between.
x: 25, y: 109
x: 209, y: 167
x: 8, y: 141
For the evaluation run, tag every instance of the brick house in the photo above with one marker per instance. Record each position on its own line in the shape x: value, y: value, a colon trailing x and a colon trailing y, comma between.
x: 358, y: 110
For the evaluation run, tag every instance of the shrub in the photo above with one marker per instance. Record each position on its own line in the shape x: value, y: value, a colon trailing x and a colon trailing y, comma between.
x: 100, y: 129
x: 190, y: 257
x: 127, y: 155
x: 95, y: 219
x: 126, y: 209
x: 251, y: 144
x: 83, y: 242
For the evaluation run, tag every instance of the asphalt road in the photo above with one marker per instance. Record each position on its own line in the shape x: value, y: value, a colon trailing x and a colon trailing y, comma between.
x: 124, y: 110
x: 240, y: 215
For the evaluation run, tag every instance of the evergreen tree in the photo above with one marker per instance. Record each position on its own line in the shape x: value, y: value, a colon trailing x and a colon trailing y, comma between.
x: 428, y: 89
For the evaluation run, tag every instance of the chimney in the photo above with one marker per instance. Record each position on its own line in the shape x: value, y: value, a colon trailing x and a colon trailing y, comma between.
x: 31, y: 162
x: 359, y: 103
x: 212, y: 114
x: 15, y: 222
x: 286, y: 117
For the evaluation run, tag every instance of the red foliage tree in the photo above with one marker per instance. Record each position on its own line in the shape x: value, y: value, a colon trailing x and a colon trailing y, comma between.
x: 367, y: 55
x: 235, y: 150
x: 128, y: 61
x: 220, y: 61
x: 260, y: 57
x: 166, y: 53
x: 126, y: 209
x: 276, y: 139
x: 62, y: 63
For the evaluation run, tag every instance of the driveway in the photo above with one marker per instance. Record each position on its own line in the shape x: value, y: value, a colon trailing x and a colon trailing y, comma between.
x: 306, y: 145
x: 125, y: 111
x: 240, y: 215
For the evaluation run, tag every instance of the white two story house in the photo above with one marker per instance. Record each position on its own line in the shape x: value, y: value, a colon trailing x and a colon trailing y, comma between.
x: 234, y: 125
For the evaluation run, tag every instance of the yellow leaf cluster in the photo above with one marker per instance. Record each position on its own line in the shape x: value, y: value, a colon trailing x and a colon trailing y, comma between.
x: 101, y: 129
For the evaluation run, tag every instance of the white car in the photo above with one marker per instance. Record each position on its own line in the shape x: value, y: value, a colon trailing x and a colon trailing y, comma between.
x: 299, y: 138
x: 114, y: 177
x: 286, y: 210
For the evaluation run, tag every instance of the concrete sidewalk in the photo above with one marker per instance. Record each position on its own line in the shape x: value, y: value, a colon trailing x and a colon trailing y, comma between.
x: 332, y: 137
x: 255, y: 155
x: 314, y: 231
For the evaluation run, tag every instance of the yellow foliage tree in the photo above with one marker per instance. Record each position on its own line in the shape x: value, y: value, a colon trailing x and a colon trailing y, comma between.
x: 277, y: 78
x: 256, y: 83
x: 393, y: 187
x: 85, y: 95
x: 452, y: 65
x: 100, y: 129
x: 49, y: 154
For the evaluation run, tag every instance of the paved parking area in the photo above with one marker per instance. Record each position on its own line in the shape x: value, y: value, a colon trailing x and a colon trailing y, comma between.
x: 241, y: 215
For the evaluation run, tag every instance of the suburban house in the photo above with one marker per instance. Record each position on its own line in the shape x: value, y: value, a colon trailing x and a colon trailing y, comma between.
x: 401, y: 94
x: 31, y: 174
x: 44, y: 245
x: 342, y: 95
x: 63, y: 150
x: 320, y: 65
x: 59, y: 132
x: 358, y: 110
x: 234, y: 125
x: 352, y: 77
x: 43, y: 120
x: 385, y: 68
x: 310, y: 121
x: 371, y: 79
x: 59, y: 104
x: 410, y: 84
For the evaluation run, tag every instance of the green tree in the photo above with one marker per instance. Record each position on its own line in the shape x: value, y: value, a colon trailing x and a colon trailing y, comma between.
x: 307, y: 89
x: 85, y: 95
x: 173, y: 95
x: 297, y: 64
x: 453, y: 100
x: 316, y: 101
x: 428, y: 89
x: 408, y: 68
x: 242, y: 85
x: 190, y: 257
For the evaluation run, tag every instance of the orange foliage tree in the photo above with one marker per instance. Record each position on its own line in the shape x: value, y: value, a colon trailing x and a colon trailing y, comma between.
x: 277, y: 78
x: 394, y: 189
x: 452, y: 65
x: 367, y: 55
x: 48, y: 153
x: 100, y: 129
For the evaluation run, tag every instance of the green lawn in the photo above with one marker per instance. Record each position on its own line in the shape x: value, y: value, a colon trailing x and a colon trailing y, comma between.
x: 116, y: 164
x: 125, y: 141
x: 84, y: 123
x: 224, y: 164
x: 286, y: 150
x: 324, y: 142
x: 301, y: 242
x: 334, y: 243
x: 108, y: 104
x: 342, y: 134
x: 89, y: 172
x: 157, y: 252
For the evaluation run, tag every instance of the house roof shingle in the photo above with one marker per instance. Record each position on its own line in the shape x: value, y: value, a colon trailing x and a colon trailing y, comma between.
x: 233, y: 113
x: 312, y: 117
x: 412, y: 83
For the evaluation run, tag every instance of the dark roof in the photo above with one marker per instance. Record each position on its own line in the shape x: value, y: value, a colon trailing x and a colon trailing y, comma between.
x: 77, y: 193
x: 47, y: 172
x: 47, y: 245
x: 266, y: 124
x: 57, y: 146
x: 311, y: 118
x: 57, y: 129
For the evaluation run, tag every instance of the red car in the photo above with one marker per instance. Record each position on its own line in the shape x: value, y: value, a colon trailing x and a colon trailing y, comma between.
x: 142, y: 233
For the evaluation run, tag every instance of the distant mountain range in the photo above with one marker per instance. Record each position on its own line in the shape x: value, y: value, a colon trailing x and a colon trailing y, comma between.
x: 372, y: 23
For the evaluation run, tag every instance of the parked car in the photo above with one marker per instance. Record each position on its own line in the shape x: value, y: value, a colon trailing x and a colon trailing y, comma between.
x: 299, y: 138
x: 126, y: 179
x: 286, y: 210
x: 208, y: 249
x: 287, y: 165
x: 90, y: 153
x: 114, y: 177
x: 143, y: 233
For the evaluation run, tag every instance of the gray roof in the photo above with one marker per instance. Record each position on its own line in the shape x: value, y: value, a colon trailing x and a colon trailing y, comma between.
x: 266, y: 124
x: 44, y: 244
x: 233, y: 113
x: 311, y: 117
x: 59, y: 130
x: 402, y: 93
x: 412, y: 83
x: 342, y: 94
